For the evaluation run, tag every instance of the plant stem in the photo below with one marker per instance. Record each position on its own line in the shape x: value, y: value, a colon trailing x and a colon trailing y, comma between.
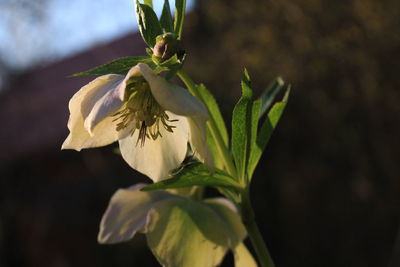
x: 254, y: 233
x: 212, y: 126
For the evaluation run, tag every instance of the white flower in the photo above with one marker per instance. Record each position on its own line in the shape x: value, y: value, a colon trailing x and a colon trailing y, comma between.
x: 180, y: 231
x: 152, y: 119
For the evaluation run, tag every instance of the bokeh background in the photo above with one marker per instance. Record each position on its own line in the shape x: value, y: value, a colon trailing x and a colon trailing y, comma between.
x: 326, y: 192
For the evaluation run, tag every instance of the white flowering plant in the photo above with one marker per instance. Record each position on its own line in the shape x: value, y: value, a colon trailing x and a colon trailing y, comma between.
x: 177, y: 137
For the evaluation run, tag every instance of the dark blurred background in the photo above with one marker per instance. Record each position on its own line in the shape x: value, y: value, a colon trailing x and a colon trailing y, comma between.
x: 326, y: 192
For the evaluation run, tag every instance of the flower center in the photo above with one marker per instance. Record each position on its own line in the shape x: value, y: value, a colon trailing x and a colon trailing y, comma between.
x: 143, y: 112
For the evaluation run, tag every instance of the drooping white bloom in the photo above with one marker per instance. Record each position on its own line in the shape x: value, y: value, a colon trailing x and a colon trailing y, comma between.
x: 180, y: 231
x: 152, y: 119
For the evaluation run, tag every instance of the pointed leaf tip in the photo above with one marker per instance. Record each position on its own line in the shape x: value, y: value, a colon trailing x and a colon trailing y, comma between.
x: 117, y: 66
x: 149, y: 26
x: 269, y: 94
x: 180, y: 9
x: 247, y: 92
x: 166, y: 20
x: 267, y: 128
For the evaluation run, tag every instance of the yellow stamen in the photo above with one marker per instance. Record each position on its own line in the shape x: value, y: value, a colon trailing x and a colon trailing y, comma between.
x: 142, y: 112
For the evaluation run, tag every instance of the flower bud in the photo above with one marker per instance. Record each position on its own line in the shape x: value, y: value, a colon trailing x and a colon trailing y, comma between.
x: 166, y: 46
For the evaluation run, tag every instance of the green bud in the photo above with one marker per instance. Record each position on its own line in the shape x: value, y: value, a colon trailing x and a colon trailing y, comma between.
x: 166, y: 46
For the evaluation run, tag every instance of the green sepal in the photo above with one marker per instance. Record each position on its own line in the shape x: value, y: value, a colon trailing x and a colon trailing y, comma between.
x: 180, y: 8
x: 173, y: 64
x: 149, y: 26
x: 166, y: 18
x: 195, y: 174
x: 264, y: 134
x: 117, y: 66
x: 149, y: 51
x: 241, y: 127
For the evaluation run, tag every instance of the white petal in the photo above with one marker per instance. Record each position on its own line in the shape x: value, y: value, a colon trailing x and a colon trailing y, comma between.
x: 157, y: 157
x: 127, y: 212
x: 198, y: 141
x: 172, y: 97
x: 107, y: 101
x: 226, y: 211
x: 80, y: 106
x: 186, y: 233
x: 243, y: 257
x: 98, y: 89
x: 106, y: 106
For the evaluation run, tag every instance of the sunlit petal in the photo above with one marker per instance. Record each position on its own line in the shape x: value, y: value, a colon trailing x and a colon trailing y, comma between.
x: 107, y: 101
x: 80, y: 106
x: 156, y: 158
x: 106, y: 106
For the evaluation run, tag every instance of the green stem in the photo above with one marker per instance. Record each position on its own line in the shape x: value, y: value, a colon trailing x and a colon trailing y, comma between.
x: 254, y: 233
x: 212, y: 126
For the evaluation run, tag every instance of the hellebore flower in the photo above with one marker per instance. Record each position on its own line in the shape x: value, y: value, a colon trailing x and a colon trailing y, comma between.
x: 180, y: 231
x: 152, y: 119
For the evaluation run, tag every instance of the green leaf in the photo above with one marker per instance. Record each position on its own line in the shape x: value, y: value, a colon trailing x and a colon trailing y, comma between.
x: 195, y: 175
x: 246, y: 89
x: 254, y: 120
x: 214, y: 111
x: 266, y: 131
x: 270, y: 93
x: 241, y: 127
x: 166, y: 18
x: 219, y: 164
x: 149, y: 25
x: 180, y: 7
x: 117, y: 66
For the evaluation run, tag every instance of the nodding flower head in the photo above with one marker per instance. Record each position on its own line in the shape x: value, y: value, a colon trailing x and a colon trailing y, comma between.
x: 152, y: 119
